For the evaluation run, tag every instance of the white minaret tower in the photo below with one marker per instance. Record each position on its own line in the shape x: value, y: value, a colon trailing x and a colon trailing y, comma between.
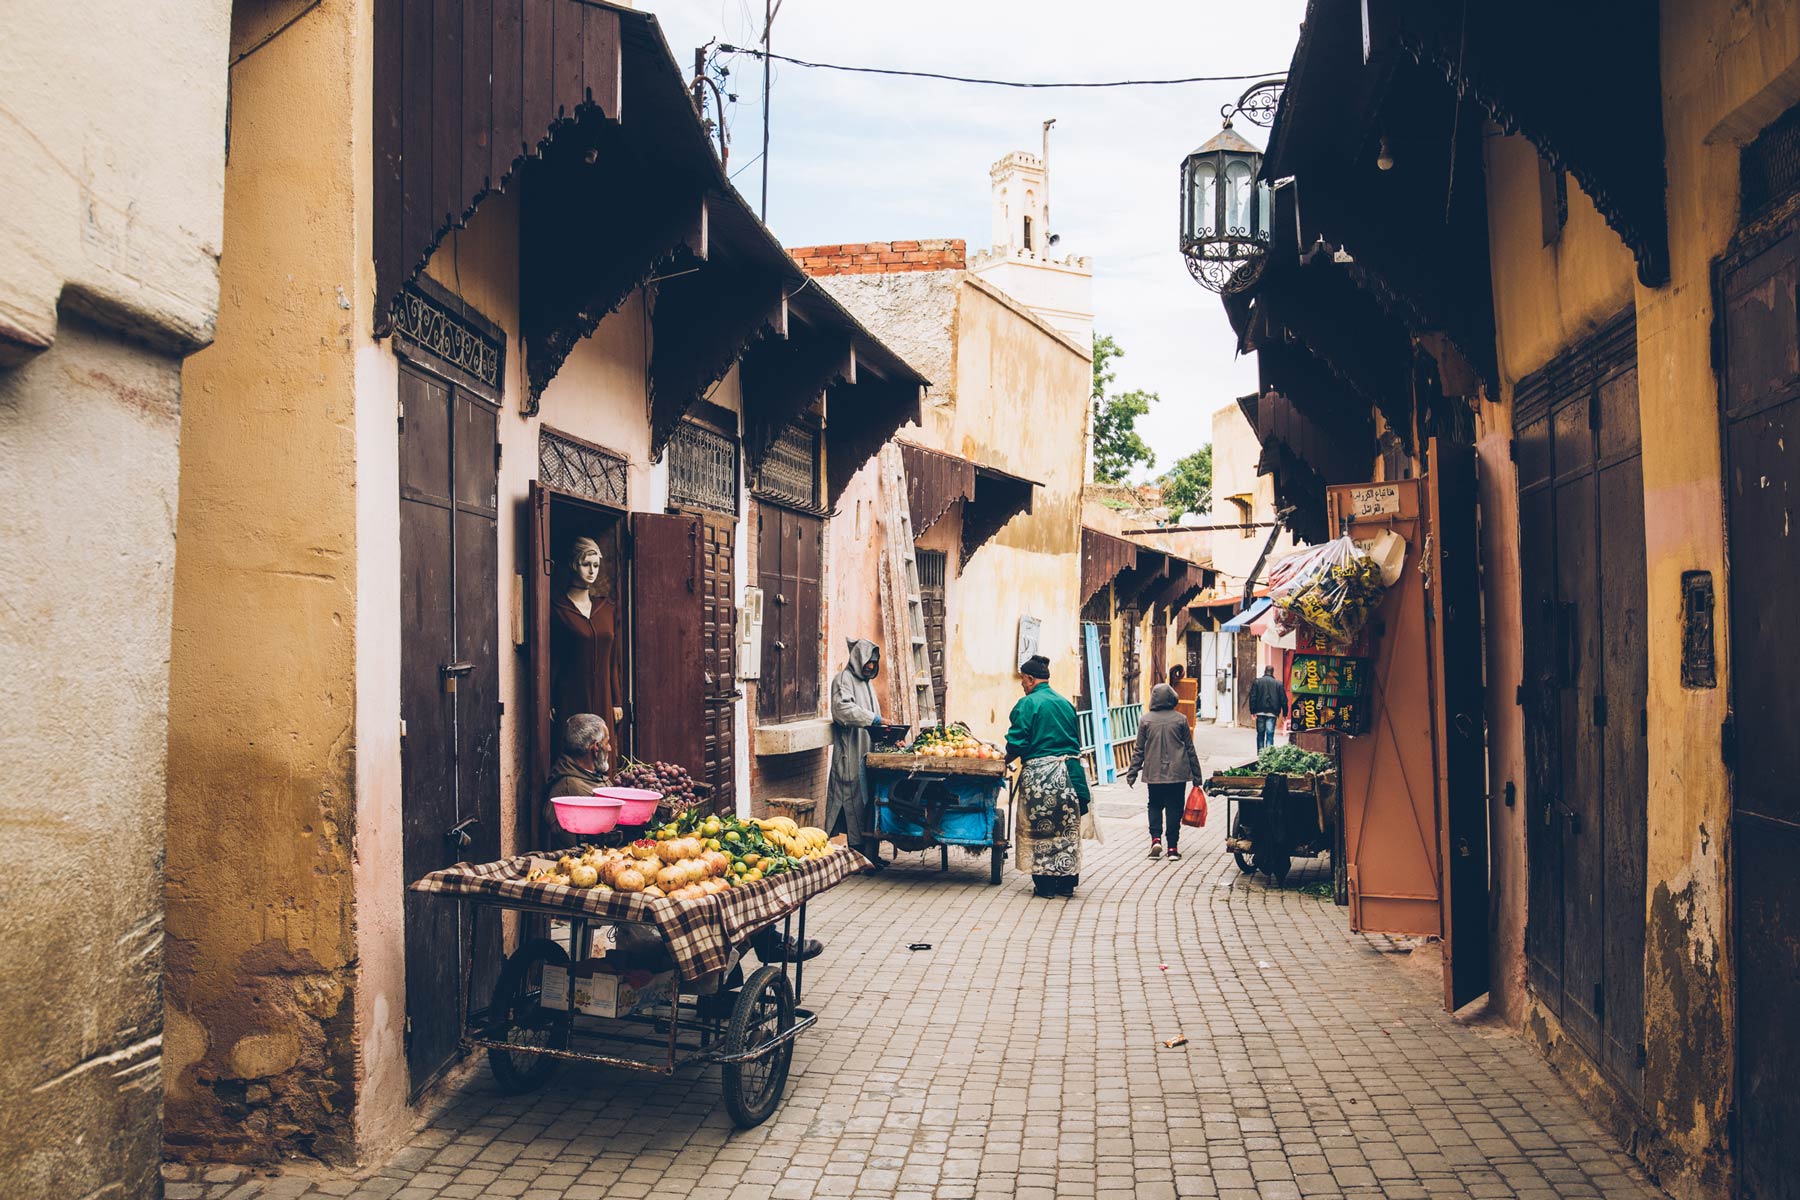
x: 1022, y: 262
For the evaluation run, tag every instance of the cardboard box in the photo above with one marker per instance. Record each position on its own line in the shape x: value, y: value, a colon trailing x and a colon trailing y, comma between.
x: 598, y: 992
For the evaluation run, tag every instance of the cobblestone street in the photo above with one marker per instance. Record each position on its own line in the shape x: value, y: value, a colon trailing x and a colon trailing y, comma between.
x: 1023, y: 1056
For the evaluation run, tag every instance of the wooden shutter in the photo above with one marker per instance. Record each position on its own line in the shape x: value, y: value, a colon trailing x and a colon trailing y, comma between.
x: 668, y: 680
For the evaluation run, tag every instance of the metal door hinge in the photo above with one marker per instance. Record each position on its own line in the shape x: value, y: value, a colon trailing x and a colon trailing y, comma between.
x: 1728, y: 740
x: 400, y: 413
x: 1512, y: 449
x: 1519, y: 695
x: 499, y: 454
x: 1600, y: 711
x: 1599, y: 1003
x: 403, y: 729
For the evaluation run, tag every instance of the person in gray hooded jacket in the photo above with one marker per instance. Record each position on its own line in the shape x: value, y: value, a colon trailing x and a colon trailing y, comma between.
x: 1166, y: 758
x: 855, y: 710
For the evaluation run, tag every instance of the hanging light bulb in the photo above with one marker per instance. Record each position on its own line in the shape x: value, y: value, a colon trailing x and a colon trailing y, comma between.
x: 1384, y: 158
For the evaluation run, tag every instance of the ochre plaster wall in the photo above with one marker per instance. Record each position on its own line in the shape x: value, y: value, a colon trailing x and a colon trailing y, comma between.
x: 1727, y: 69
x: 262, y: 943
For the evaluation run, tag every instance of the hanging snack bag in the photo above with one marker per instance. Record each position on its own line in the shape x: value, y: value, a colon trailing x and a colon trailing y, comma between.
x: 1335, y: 594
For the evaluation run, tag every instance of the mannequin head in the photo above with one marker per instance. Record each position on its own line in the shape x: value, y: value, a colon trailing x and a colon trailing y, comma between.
x: 583, y: 565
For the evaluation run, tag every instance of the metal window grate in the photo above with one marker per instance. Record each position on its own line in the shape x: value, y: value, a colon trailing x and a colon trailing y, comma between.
x: 931, y: 569
x: 581, y: 469
x: 790, y: 471
x: 702, y: 469
x: 1769, y: 167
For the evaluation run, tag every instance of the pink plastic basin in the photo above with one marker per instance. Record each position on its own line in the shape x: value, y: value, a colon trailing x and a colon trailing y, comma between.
x: 639, y: 803
x: 586, y: 814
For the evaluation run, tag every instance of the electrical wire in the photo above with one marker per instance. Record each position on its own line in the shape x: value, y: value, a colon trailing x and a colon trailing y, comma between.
x: 1009, y: 83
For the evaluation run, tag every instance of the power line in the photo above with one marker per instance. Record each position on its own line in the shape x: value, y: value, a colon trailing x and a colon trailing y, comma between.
x: 1010, y: 83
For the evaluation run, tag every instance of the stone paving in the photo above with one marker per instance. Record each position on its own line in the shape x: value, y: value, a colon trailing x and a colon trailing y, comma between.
x: 1023, y: 1056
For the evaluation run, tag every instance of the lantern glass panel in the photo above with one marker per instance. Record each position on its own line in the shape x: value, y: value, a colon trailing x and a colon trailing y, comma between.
x: 1238, y: 188
x: 1204, y: 199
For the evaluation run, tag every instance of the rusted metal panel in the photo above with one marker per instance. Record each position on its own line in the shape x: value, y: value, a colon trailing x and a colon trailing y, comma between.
x: 539, y: 570
x: 1390, y: 804
x: 788, y: 561
x: 1539, y: 686
x: 1762, y: 434
x: 508, y: 103
x: 666, y: 619
x: 446, y: 113
x: 934, y: 481
x: 477, y: 102
x: 809, y: 620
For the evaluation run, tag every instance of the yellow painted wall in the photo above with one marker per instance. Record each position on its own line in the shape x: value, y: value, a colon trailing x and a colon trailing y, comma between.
x: 1728, y: 67
x: 262, y: 944
x: 1235, y: 455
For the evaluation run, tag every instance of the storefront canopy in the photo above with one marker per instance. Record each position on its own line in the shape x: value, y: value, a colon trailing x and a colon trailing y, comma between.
x: 1103, y: 556
x: 1241, y: 621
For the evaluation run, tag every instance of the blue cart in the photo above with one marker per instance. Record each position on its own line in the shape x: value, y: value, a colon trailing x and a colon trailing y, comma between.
x: 921, y: 801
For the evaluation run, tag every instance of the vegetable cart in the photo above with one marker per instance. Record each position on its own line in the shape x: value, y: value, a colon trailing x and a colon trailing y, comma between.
x: 921, y: 801
x: 667, y: 990
x: 1270, y: 820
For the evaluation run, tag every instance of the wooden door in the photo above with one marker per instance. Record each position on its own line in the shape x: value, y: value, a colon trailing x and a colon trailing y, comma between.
x: 1243, y: 673
x: 933, y: 565
x: 718, y: 640
x: 1584, y: 694
x: 667, y: 671
x: 1131, y: 666
x: 1159, y: 648
x: 1459, y: 723
x: 1761, y: 423
x: 789, y: 553
x: 449, y: 696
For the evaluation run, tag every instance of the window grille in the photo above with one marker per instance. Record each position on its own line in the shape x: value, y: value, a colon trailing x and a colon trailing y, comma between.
x: 1769, y: 167
x: 931, y: 569
x: 790, y: 470
x: 582, y: 470
x: 702, y: 469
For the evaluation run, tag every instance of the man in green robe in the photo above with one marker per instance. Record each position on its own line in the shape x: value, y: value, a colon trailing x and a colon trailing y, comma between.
x: 1053, y: 790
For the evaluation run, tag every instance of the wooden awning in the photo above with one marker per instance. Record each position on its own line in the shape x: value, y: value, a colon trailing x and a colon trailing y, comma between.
x: 999, y: 497
x: 581, y: 107
x: 1103, y: 556
x: 934, y: 481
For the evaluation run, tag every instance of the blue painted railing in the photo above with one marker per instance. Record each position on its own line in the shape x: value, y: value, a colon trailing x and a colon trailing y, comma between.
x: 1124, y: 721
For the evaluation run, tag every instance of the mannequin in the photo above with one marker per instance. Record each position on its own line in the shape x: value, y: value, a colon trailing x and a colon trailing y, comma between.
x: 584, y: 661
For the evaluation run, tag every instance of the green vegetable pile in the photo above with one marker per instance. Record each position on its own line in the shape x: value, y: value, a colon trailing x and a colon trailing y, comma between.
x: 1285, y: 760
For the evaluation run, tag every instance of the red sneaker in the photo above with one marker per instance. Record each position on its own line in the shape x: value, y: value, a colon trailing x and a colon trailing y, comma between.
x: 1156, y: 848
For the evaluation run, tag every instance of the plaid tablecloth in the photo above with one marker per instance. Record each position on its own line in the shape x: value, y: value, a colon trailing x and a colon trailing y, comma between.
x: 700, y: 933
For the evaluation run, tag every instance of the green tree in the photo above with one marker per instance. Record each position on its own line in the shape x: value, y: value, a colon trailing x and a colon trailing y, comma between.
x: 1118, y: 447
x: 1187, y: 486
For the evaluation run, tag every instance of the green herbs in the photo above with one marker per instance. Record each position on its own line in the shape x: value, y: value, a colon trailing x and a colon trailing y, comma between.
x: 1284, y: 760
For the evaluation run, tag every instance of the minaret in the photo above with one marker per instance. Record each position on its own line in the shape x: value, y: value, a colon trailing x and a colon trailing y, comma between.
x: 1022, y: 262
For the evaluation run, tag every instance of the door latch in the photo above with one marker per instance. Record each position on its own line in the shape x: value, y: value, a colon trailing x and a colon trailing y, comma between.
x: 459, y: 833
x: 451, y: 672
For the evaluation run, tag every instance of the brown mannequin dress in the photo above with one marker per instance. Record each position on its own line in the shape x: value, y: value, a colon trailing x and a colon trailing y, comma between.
x: 582, y: 660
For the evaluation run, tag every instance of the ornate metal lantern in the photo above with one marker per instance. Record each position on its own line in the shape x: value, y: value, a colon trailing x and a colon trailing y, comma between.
x: 1224, y: 213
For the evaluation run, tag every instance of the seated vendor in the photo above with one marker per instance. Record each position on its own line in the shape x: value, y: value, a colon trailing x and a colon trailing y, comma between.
x: 577, y: 770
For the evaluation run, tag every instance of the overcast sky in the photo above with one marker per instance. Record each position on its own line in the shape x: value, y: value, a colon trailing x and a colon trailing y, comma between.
x: 860, y: 158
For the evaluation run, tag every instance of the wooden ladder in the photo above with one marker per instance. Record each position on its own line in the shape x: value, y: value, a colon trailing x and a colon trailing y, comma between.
x: 902, y: 606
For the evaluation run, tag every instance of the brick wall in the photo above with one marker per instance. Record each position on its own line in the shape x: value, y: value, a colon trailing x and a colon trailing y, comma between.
x: 802, y: 774
x: 883, y: 258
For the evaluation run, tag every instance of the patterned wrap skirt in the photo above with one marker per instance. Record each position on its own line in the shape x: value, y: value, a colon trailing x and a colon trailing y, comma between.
x: 1048, y: 826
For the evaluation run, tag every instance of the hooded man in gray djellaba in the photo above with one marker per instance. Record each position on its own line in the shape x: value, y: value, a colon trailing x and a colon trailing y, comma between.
x: 854, y: 711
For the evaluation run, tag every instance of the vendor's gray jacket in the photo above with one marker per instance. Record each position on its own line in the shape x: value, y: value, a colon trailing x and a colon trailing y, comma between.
x: 853, y: 709
x: 1165, y: 745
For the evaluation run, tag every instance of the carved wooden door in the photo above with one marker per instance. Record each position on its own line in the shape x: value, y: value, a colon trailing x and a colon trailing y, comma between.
x: 718, y: 647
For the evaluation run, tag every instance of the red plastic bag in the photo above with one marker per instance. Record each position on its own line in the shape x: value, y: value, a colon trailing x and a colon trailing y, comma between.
x: 1194, y: 813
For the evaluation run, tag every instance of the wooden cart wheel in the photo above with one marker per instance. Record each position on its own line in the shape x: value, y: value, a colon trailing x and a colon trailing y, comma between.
x: 1237, y: 831
x: 516, y: 1016
x: 997, y: 856
x: 765, y: 1009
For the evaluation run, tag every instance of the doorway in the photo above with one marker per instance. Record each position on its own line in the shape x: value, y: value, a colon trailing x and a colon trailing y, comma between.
x: 1584, y: 694
x: 933, y: 566
x: 449, y: 696
x: 1761, y: 411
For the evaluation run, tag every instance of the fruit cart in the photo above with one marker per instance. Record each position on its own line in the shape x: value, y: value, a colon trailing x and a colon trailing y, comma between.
x: 922, y: 800
x: 647, y: 983
x: 1272, y: 819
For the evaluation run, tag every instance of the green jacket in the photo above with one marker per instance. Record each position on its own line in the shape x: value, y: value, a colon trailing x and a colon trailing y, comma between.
x: 1043, y: 722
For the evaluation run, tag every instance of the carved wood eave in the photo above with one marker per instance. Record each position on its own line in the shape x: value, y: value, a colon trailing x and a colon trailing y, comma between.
x: 783, y: 377
x: 704, y: 322
x: 588, y: 241
x: 997, y: 500
x: 1130, y: 586
x: 1103, y: 558
x: 466, y: 94
x: 858, y: 419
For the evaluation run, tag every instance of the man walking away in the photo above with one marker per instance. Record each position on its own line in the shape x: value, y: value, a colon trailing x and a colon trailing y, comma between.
x: 1268, y: 699
x: 1165, y: 757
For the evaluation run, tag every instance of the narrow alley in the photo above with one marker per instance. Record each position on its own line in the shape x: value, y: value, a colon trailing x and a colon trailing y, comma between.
x: 1023, y: 1055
